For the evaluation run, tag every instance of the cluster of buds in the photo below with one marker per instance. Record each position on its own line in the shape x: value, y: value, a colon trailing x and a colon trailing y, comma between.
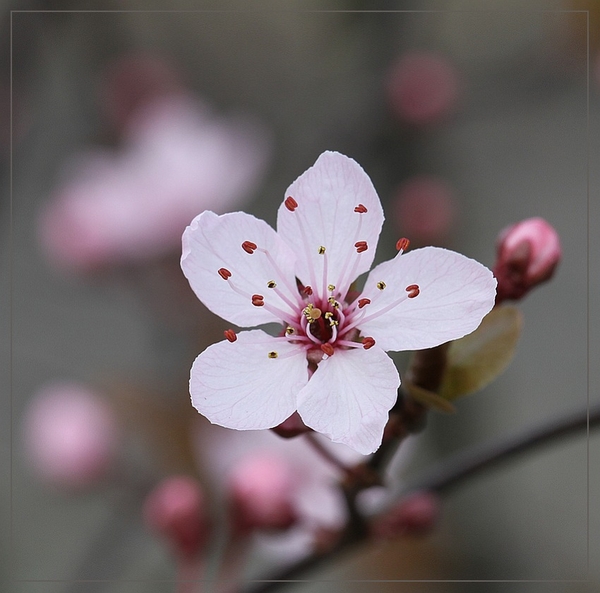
x: 527, y: 255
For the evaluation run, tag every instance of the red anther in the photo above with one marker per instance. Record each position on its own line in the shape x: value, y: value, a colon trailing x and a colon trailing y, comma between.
x: 363, y: 302
x: 402, y: 244
x: 258, y: 300
x: 328, y: 349
x: 368, y: 343
x: 361, y: 208
x: 307, y: 290
x: 413, y: 290
x: 224, y: 273
x: 230, y: 335
x: 248, y: 246
x: 361, y: 246
x: 290, y: 203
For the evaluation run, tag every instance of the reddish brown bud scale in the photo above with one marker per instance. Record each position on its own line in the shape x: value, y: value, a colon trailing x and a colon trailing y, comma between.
x: 368, y: 343
x: 290, y: 203
x: 224, y: 273
x: 402, y: 244
x: 361, y: 209
x: 363, y: 302
x: 413, y: 290
x: 361, y: 246
x: 230, y: 335
x: 258, y: 300
x: 327, y: 349
x: 249, y: 247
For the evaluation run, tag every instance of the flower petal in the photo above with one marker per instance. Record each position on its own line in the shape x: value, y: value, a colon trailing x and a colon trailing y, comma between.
x: 349, y: 396
x: 238, y: 385
x: 212, y: 243
x: 454, y: 294
x: 327, y: 195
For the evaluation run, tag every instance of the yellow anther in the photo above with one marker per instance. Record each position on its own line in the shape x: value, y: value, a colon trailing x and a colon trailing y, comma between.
x: 321, y: 250
x: 331, y: 288
x: 271, y: 284
x: 289, y: 330
x: 272, y: 354
x: 381, y: 285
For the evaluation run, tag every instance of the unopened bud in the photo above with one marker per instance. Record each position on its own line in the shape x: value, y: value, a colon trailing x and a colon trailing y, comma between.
x: 291, y: 427
x: 261, y: 492
x: 417, y: 514
x: 527, y: 255
x: 71, y: 436
x: 175, y: 509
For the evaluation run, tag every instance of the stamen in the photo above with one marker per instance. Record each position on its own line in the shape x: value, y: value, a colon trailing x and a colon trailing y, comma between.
x: 327, y: 349
x: 283, y: 277
x: 307, y: 291
x: 271, y: 284
x: 249, y: 247
x: 402, y: 244
x: 413, y: 290
x: 230, y: 335
x: 290, y: 203
x: 331, y: 300
x: 311, y: 312
x: 258, y: 300
x: 360, y: 209
x: 289, y: 330
x: 368, y: 343
x: 381, y: 285
x: 330, y: 287
x: 321, y: 250
x: 272, y: 354
x: 224, y: 273
x: 361, y: 246
x: 363, y: 302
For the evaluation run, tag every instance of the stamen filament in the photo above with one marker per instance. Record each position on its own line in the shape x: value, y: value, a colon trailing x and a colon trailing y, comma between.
x: 283, y: 277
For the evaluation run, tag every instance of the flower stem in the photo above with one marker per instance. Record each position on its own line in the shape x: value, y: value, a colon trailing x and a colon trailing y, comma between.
x: 449, y: 474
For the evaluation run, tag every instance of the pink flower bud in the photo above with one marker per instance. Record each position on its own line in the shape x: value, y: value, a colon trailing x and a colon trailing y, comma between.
x: 423, y: 88
x: 175, y: 509
x: 417, y: 514
x: 261, y: 491
x: 527, y: 255
x: 70, y: 435
x: 425, y: 210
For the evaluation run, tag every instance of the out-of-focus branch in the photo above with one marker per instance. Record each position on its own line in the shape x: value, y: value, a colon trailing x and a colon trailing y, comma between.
x: 450, y: 473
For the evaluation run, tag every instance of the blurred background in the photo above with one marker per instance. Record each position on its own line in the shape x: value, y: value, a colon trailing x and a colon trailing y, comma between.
x: 467, y: 116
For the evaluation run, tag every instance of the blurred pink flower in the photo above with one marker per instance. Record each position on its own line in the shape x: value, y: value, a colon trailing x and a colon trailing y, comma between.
x: 175, y: 509
x: 261, y: 488
x: 417, y: 514
x: 177, y: 159
x: 424, y: 210
x: 423, y: 88
x: 70, y: 435
x: 527, y: 255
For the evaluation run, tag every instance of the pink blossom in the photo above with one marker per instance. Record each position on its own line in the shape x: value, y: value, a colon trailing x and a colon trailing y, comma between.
x: 527, y: 255
x: 261, y: 489
x: 175, y: 509
x: 329, y: 364
x: 178, y: 159
x: 424, y: 209
x: 423, y: 88
x: 70, y: 435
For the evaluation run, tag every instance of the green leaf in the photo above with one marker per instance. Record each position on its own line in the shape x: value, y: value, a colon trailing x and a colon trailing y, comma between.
x: 429, y: 399
x: 477, y: 359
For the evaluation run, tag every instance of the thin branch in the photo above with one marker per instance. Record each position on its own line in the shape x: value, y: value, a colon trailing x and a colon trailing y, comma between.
x: 445, y: 476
